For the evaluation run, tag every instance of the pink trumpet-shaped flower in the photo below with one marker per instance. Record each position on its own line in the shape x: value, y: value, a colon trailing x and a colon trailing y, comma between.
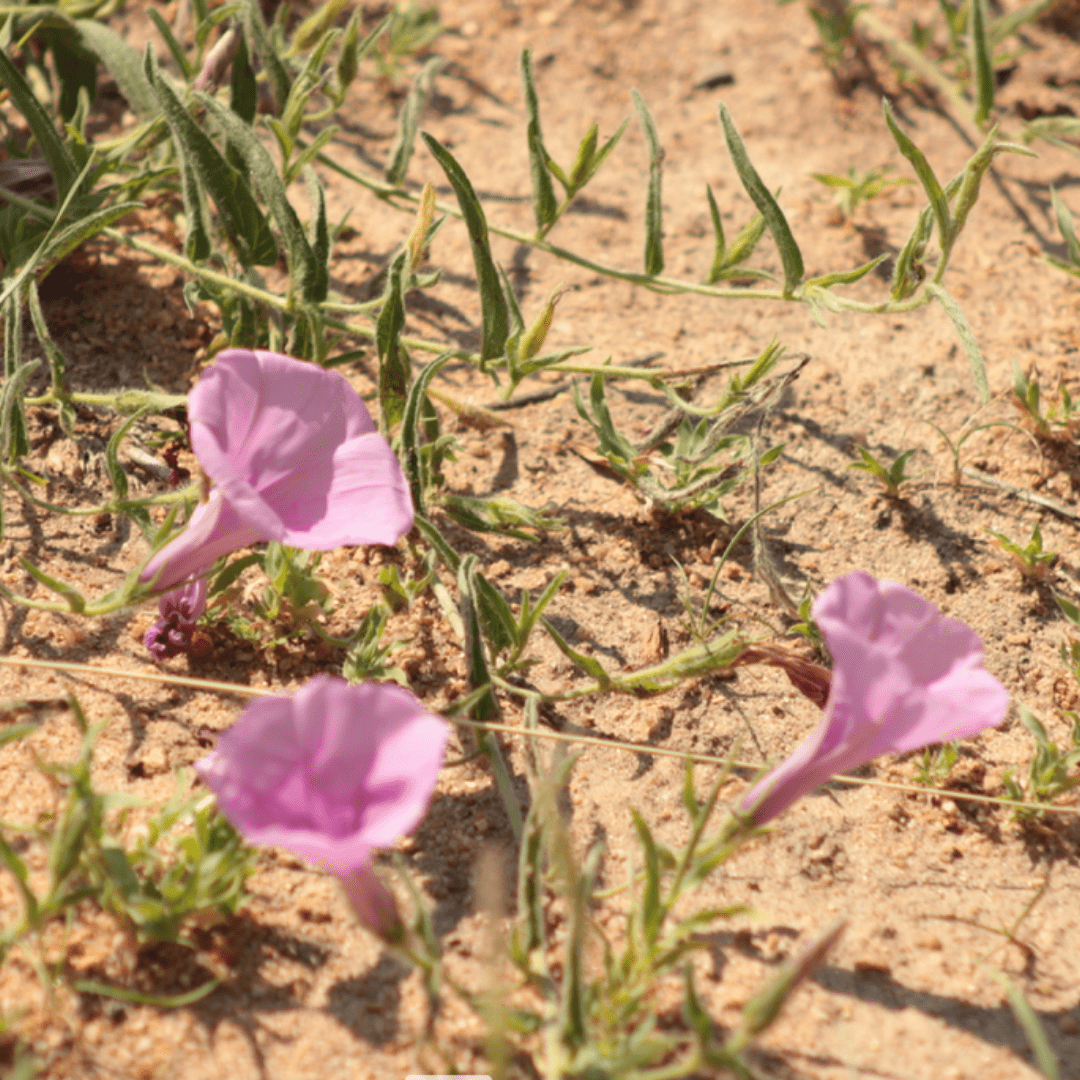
x: 904, y: 676
x: 295, y: 457
x: 331, y: 774
x: 180, y: 610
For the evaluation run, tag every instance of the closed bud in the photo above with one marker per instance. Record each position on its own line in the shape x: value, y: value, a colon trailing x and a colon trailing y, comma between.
x: 418, y: 236
x: 532, y: 340
x: 579, y: 171
x: 374, y: 904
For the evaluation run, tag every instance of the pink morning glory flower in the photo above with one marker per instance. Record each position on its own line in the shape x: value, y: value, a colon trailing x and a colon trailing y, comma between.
x: 180, y: 610
x: 904, y: 676
x: 295, y: 457
x: 332, y: 774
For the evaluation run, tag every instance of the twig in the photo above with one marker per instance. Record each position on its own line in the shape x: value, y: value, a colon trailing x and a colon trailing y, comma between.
x: 1023, y: 494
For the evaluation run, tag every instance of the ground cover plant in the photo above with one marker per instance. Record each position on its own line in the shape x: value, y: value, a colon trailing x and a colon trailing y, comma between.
x: 539, y: 540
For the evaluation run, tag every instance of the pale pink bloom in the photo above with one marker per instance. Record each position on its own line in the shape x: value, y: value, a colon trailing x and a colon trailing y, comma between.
x: 331, y: 774
x: 904, y: 676
x: 180, y: 610
x: 295, y: 457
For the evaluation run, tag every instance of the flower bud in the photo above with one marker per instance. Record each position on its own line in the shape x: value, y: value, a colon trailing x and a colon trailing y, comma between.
x: 374, y: 904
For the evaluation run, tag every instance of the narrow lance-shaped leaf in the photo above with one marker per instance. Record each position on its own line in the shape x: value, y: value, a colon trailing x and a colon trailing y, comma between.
x: 352, y: 50
x: 925, y: 174
x: 409, y: 120
x: 320, y: 236
x: 171, y: 44
x: 243, y: 90
x: 60, y: 161
x: 982, y: 63
x: 56, y: 359
x: 721, y: 243
x: 244, y: 221
x: 544, y: 204
x: 1064, y: 219
x: 259, y: 39
x: 123, y: 62
x: 654, y: 223
x: 411, y: 461
x: 305, y: 271
x: 393, y: 360
x: 790, y: 256
x: 494, y: 315
x: 967, y: 336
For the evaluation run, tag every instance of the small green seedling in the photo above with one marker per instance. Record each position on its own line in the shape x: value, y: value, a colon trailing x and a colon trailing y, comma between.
x: 892, y: 476
x: 1027, y: 398
x: 412, y: 28
x: 1034, y: 563
x: 1048, y: 772
x: 936, y: 763
x: 858, y: 187
x: 835, y: 22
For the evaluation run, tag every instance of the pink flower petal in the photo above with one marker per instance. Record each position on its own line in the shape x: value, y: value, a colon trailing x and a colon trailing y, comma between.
x: 214, y: 530
x: 904, y: 676
x: 366, y: 499
x: 331, y: 774
x: 295, y: 457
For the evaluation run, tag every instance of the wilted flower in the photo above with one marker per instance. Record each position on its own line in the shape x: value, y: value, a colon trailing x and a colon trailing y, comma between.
x: 904, y: 676
x: 331, y: 774
x: 180, y: 610
x: 295, y: 457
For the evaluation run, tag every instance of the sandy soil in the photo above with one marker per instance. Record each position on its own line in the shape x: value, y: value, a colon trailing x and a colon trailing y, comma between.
x: 927, y: 883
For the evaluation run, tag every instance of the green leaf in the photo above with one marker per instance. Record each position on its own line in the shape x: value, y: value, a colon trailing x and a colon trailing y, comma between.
x: 544, y: 204
x: 171, y: 43
x: 982, y: 65
x: 763, y: 199
x: 494, y: 315
x: 60, y: 161
x: 1068, y: 609
x: 73, y: 236
x: 137, y: 997
x: 967, y: 336
x: 586, y: 663
x: 846, y: 277
x: 411, y: 460
x: 654, y: 224
x: 306, y: 272
x: 352, y: 50
x: 18, y: 871
x: 117, y: 476
x: 394, y: 373
x: 76, y: 68
x: 926, y: 176
x: 258, y: 38
x: 13, y: 441
x: 1033, y: 1029
x: 409, y: 120
x: 486, y: 707
x: 497, y: 620
x: 244, y: 221
x: 600, y: 156
x: 243, y: 89
x: 1065, y: 225
x: 75, y: 600
x: 652, y: 910
x: 721, y: 244
x: 123, y: 62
